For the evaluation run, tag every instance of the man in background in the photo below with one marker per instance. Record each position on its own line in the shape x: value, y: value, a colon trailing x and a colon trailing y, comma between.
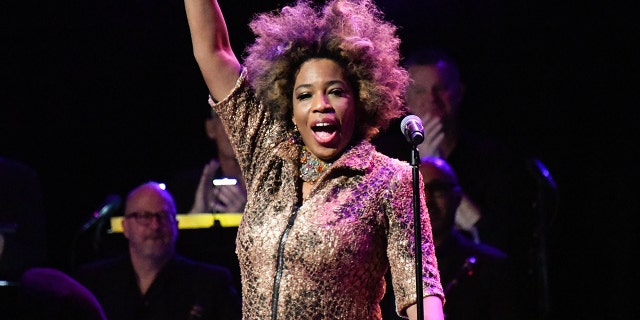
x: 477, y: 278
x: 193, y: 188
x: 498, y: 189
x: 152, y: 281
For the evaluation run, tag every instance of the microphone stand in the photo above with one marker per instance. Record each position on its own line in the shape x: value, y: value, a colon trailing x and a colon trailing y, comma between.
x: 411, y: 127
x: 417, y: 225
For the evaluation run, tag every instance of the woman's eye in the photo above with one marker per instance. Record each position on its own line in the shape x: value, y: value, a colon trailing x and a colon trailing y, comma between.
x: 303, y: 96
x: 337, y: 92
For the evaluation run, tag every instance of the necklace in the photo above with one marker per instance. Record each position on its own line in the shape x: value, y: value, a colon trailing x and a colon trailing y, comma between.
x: 311, y: 168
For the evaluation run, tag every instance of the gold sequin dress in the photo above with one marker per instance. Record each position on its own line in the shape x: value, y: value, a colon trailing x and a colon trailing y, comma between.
x: 324, y: 257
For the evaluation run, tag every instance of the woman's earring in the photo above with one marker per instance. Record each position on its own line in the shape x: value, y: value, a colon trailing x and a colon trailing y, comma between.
x: 295, y: 136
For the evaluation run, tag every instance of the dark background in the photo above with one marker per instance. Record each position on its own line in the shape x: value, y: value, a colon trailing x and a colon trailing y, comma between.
x: 99, y: 97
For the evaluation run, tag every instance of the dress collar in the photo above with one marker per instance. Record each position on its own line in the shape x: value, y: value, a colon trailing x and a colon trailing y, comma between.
x: 357, y: 157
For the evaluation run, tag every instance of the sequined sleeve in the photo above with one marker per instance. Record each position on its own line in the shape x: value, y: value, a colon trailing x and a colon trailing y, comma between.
x: 402, y: 243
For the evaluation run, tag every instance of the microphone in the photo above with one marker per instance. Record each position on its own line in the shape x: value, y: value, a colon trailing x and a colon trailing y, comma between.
x: 411, y: 127
x: 111, y: 204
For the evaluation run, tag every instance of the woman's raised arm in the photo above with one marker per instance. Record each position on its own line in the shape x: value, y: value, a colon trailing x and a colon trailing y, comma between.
x: 211, y: 48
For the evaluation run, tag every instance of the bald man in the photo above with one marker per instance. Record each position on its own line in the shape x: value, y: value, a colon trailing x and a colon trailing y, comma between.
x: 152, y: 281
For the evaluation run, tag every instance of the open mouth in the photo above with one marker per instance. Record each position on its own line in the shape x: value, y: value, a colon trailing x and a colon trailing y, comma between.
x: 324, y: 131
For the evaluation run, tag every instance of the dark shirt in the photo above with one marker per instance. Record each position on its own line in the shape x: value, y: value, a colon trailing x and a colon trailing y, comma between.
x: 496, y: 179
x: 184, y: 289
x: 478, y: 281
x: 483, y: 290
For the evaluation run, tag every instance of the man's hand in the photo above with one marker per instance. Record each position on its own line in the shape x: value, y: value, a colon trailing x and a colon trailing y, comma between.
x: 433, y: 136
x: 204, y: 187
x: 228, y: 199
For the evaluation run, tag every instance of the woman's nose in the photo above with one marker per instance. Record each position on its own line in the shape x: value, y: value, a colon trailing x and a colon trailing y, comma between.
x: 321, y: 103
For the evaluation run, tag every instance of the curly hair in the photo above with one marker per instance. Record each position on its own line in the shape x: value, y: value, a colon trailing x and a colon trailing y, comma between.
x: 352, y: 33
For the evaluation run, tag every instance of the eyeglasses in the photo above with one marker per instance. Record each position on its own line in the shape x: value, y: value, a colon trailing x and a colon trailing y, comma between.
x: 145, y: 218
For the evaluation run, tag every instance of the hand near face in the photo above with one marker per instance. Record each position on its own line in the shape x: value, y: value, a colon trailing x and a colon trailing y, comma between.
x: 204, y: 187
x: 228, y: 199
x: 433, y: 136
